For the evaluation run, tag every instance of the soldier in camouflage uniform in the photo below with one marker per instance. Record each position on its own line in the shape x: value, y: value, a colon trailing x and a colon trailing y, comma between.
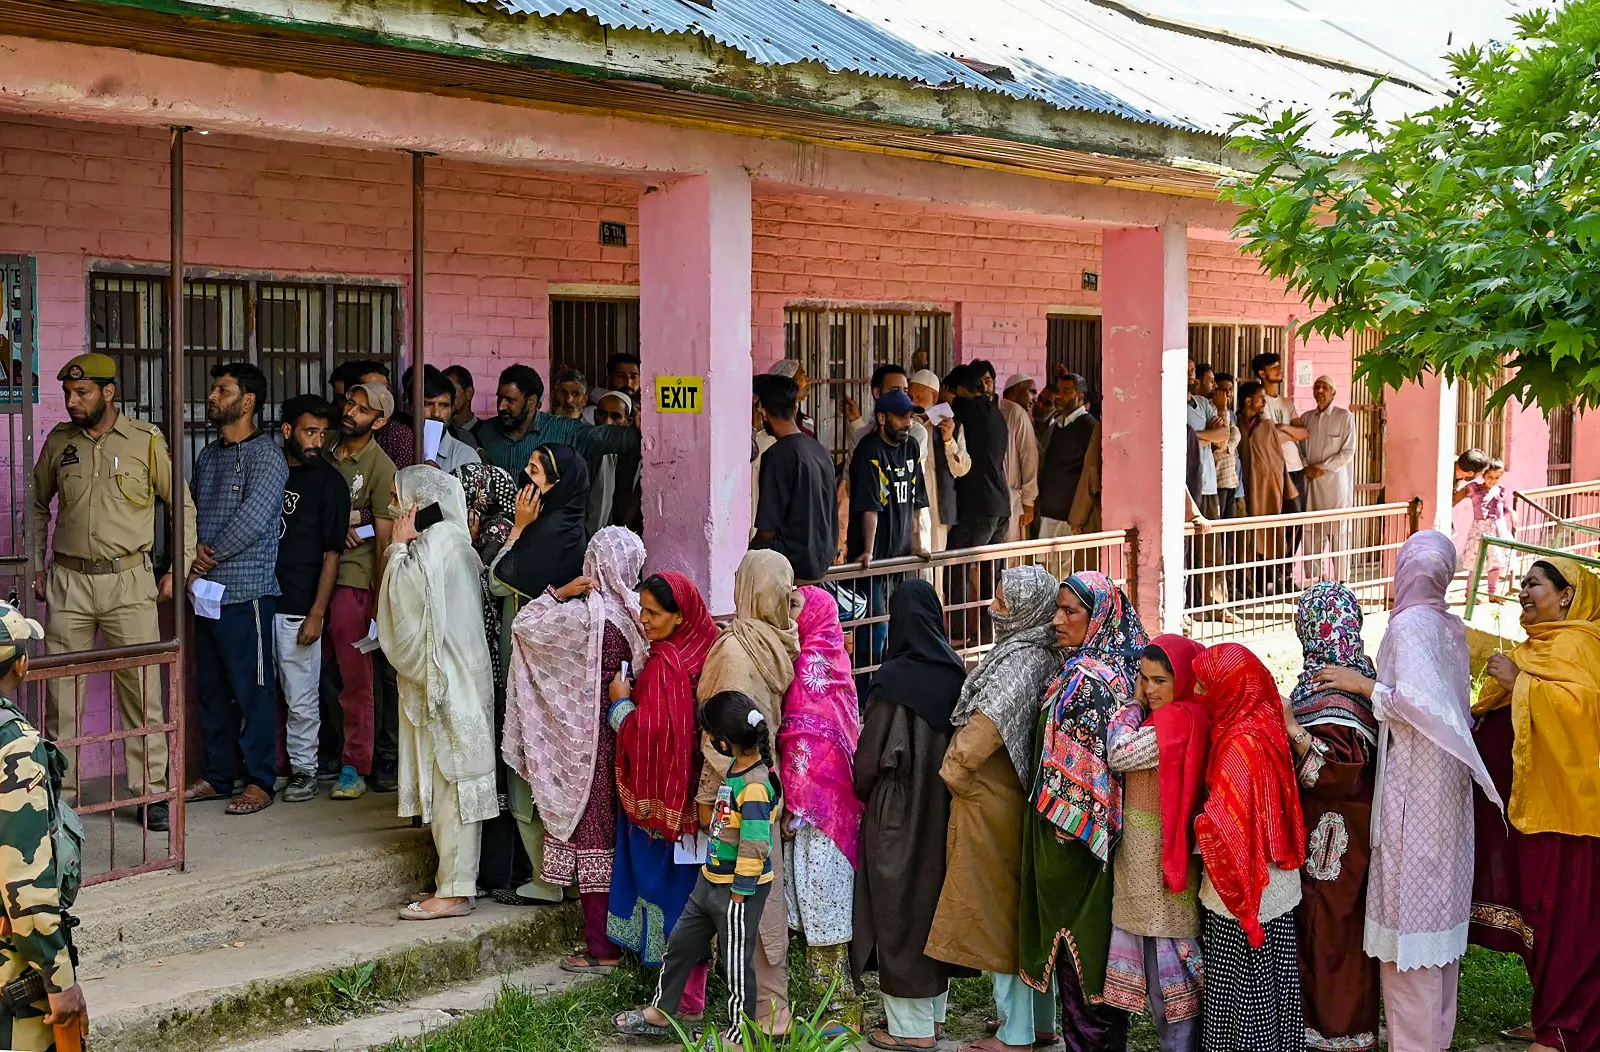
x: 33, y: 935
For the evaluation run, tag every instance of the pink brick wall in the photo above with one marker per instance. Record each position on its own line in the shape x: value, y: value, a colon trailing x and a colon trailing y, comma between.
x: 75, y: 194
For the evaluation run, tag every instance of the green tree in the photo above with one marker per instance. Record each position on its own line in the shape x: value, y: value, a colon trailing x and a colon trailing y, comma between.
x: 1468, y: 233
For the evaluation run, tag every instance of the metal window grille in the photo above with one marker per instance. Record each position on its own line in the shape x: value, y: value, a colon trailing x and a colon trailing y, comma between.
x: 1072, y: 344
x: 1229, y: 347
x: 1368, y: 408
x: 584, y: 333
x: 1477, y: 426
x: 1559, y: 470
x: 838, y: 349
x: 283, y: 327
x: 20, y: 351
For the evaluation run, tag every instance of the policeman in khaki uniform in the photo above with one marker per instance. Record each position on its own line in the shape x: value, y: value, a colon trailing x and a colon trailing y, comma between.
x: 108, y: 470
x: 39, y: 993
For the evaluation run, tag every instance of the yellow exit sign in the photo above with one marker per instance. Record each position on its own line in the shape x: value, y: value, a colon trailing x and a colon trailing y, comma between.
x: 680, y: 394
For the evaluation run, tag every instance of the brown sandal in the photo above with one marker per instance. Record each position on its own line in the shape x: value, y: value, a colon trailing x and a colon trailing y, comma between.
x: 201, y: 791
x: 253, y: 799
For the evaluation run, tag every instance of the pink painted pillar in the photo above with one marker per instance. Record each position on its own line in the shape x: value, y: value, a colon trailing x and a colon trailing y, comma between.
x: 694, y: 320
x: 1145, y: 322
x: 1419, y: 447
x: 1586, y: 447
x: 1527, y: 447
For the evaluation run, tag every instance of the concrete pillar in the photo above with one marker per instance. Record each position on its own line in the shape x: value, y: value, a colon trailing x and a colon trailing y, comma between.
x: 1527, y: 448
x: 1145, y: 326
x: 694, y: 321
x: 1419, y: 447
x: 1586, y: 447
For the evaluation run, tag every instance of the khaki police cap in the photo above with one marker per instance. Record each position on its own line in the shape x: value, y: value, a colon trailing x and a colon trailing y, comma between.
x: 91, y: 366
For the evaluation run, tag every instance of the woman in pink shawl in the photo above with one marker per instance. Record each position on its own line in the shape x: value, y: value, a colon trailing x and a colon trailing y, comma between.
x: 1419, y: 882
x: 566, y: 646
x: 816, y: 751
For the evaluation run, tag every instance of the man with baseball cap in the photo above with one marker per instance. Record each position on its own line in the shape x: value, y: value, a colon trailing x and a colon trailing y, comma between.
x: 887, y: 489
x: 370, y: 474
x: 36, y: 941
x: 108, y: 470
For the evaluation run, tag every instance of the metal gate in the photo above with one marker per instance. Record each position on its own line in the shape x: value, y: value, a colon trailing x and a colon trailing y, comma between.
x: 839, y: 348
x: 1559, y: 460
x: 1477, y: 426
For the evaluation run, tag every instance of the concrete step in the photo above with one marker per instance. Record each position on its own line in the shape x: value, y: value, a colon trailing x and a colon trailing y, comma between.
x: 279, y: 981
x: 291, y: 866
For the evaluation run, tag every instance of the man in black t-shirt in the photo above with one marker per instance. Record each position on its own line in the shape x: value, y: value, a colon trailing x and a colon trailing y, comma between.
x: 886, y: 489
x: 316, y: 520
x: 886, y: 486
x: 797, y: 503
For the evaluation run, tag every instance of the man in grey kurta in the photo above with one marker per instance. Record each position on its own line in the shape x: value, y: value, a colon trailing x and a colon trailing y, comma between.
x: 1329, y: 453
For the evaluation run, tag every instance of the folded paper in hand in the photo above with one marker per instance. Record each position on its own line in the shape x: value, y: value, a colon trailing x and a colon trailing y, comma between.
x: 208, y: 599
x: 370, y: 643
x: 432, y: 435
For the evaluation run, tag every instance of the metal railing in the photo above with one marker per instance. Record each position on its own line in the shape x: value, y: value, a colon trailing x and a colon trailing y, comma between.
x: 1243, y: 577
x: 1564, y: 518
x: 965, y: 579
x: 95, y: 675
x: 1522, y: 556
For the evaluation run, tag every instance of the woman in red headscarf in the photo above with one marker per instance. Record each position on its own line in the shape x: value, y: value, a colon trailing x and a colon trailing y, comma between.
x: 1252, y: 839
x: 658, y: 767
x: 1159, y: 744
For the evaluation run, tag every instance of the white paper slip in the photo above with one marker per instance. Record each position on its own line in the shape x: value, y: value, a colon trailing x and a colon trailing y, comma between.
x: 432, y: 435
x: 208, y: 599
x: 939, y: 412
x: 369, y: 644
x: 690, y: 850
x: 366, y: 533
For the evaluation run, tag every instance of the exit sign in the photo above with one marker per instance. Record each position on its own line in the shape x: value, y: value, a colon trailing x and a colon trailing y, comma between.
x: 680, y: 394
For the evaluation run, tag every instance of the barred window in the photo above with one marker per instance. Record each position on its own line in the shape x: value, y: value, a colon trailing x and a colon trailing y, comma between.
x: 839, y: 349
x: 585, y: 333
x: 286, y: 328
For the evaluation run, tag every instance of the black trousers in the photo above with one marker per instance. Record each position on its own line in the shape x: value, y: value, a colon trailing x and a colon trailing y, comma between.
x: 973, y: 531
x: 713, y: 914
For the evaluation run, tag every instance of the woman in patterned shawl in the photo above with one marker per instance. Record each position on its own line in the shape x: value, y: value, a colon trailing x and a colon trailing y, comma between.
x: 1077, y: 809
x: 567, y: 646
x: 988, y: 768
x: 1335, y: 740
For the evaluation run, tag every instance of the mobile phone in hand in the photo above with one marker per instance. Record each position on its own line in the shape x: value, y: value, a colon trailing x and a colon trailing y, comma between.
x: 429, y: 515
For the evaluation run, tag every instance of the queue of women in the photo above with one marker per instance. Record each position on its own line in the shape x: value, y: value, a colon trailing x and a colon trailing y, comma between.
x: 1104, y: 823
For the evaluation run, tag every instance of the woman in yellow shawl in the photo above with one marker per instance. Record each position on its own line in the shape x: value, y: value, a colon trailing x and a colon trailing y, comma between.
x: 1534, y: 891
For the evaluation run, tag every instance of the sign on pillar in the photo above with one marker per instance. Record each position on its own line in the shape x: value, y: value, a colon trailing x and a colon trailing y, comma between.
x: 680, y: 394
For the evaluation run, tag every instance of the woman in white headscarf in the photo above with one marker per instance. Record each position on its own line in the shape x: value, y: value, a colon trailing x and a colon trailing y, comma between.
x: 430, y: 624
x: 566, y: 647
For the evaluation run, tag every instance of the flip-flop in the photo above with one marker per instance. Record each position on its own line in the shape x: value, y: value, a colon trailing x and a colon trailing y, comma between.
x: 509, y: 897
x: 632, y: 1023
x: 1525, y: 1032
x: 591, y: 965
x: 890, y: 1043
x: 413, y: 911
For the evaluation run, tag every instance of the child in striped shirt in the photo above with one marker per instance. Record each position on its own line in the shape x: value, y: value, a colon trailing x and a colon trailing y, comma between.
x: 728, y: 898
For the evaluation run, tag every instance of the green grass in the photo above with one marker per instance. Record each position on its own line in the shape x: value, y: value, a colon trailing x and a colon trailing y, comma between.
x: 1494, y: 996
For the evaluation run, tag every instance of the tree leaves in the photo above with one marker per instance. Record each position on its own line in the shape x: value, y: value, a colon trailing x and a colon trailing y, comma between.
x: 1469, y: 233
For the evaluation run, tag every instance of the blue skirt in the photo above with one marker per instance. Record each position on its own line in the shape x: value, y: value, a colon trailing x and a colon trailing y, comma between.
x: 648, y: 892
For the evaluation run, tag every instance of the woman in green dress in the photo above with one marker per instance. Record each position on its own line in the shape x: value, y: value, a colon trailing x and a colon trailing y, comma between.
x: 1076, y: 815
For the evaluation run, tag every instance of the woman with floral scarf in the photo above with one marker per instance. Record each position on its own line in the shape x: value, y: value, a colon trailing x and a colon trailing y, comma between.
x: 1077, y: 809
x: 1335, y: 740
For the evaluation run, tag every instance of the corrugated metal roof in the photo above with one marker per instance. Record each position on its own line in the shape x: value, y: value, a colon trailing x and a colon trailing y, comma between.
x: 1072, y: 54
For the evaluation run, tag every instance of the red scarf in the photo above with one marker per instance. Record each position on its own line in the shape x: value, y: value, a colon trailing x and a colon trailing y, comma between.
x: 1252, y: 815
x: 1182, y: 729
x: 658, y: 747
